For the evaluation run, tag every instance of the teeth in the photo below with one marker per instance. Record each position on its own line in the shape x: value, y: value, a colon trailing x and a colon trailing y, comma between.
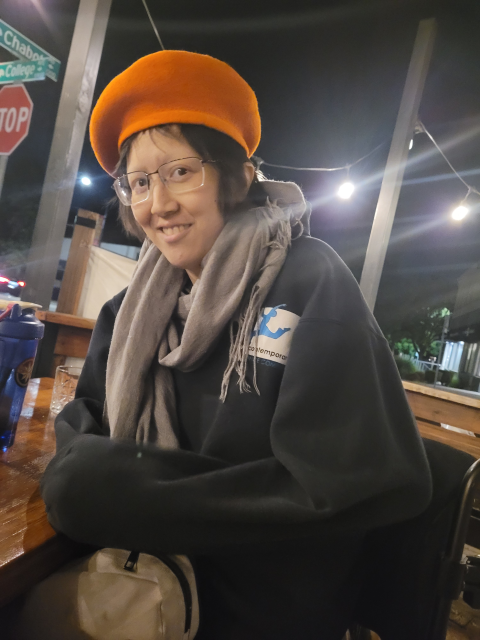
x: 171, y: 231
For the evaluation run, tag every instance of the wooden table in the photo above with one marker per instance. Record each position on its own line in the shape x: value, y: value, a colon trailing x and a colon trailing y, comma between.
x: 29, y: 548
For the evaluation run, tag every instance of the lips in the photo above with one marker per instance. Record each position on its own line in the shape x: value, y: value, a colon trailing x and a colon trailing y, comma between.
x: 173, y: 231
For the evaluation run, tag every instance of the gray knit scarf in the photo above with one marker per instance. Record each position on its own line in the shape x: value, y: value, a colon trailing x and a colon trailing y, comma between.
x: 148, y: 340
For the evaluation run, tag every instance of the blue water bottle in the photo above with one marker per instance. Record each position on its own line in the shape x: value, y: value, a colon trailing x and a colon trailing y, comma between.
x: 20, y: 333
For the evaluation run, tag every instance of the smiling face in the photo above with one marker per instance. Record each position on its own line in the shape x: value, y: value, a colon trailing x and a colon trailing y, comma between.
x: 184, y: 226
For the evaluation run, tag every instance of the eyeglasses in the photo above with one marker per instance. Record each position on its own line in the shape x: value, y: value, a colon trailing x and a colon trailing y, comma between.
x: 178, y: 176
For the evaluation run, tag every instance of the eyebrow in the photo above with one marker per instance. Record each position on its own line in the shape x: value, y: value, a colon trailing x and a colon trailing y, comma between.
x: 158, y: 166
x: 161, y: 165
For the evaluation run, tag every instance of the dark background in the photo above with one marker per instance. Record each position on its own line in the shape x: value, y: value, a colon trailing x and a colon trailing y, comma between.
x: 329, y: 78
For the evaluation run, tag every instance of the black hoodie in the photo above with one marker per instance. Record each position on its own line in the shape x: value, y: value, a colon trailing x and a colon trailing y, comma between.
x: 269, y: 494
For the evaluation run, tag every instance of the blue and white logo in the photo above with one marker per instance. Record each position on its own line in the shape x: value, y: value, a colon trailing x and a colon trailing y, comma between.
x: 272, y: 335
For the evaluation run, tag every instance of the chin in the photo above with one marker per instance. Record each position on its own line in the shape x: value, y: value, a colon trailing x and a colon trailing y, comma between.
x: 181, y: 262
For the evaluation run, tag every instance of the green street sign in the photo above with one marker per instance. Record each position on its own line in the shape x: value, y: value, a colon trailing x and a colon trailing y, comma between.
x: 26, y: 50
x: 19, y: 71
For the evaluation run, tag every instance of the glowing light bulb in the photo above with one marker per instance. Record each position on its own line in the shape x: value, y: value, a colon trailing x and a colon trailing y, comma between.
x: 86, y: 181
x: 346, y: 190
x: 410, y: 146
x: 460, y: 212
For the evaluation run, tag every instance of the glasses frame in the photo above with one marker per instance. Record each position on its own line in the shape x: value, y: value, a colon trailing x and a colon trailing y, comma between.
x: 118, y: 189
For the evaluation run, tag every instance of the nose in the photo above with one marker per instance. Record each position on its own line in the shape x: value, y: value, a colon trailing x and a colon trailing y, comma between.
x: 163, y: 201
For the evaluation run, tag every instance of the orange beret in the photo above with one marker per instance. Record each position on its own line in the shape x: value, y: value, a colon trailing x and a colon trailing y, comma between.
x: 173, y: 87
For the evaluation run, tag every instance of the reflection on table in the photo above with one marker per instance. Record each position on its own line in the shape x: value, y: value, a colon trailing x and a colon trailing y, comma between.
x: 29, y: 548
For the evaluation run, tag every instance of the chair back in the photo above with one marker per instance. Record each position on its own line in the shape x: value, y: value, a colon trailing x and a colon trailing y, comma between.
x: 403, y: 567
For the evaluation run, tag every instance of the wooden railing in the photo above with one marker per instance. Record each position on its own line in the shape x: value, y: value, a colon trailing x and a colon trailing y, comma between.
x: 433, y: 406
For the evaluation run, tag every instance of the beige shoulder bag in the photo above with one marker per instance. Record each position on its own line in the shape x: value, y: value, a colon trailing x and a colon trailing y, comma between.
x: 114, y: 595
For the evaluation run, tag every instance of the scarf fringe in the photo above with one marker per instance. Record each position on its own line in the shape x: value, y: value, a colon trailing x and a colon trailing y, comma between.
x: 240, y: 340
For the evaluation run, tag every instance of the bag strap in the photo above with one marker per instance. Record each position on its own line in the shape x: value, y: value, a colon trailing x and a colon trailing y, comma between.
x: 185, y: 586
x: 131, y: 563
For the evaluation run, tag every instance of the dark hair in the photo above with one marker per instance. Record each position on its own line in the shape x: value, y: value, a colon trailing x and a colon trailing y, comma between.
x: 210, y: 144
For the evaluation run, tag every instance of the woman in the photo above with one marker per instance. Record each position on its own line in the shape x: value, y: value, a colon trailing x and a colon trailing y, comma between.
x: 257, y: 422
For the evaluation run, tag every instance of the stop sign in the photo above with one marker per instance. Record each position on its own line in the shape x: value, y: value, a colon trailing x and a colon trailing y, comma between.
x: 15, y: 114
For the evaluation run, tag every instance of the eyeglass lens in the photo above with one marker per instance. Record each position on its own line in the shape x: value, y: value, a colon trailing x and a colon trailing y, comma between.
x: 178, y: 176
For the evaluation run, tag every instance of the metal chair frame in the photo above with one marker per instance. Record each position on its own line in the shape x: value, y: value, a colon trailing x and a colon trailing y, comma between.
x: 454, y: 574
x: 458, y: 573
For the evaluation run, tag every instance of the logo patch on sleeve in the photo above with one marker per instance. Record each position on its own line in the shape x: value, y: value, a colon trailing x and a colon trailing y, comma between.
x: 273, y: 334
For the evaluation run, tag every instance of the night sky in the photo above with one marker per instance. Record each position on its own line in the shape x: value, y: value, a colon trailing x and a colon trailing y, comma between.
x: 329, y: 78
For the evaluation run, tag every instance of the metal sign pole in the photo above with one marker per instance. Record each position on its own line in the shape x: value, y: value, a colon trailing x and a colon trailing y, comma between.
x: 446, y: 324
x: 3, y: 168
x: 70, y: 126
x: 397, y: 160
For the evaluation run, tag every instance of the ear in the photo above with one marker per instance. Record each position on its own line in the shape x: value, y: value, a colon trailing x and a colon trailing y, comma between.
x: 249, y: 171
x: 249, y: 174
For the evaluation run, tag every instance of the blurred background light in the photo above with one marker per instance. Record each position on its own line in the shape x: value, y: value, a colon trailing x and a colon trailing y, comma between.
x: 460, y: 212
x: 345, y: 190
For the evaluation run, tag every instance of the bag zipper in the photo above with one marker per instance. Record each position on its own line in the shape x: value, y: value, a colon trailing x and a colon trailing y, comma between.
x: 178, y: 573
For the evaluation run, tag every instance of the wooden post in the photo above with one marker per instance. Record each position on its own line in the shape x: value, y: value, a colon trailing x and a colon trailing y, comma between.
x: 74, y: 276
x: 99, y: 230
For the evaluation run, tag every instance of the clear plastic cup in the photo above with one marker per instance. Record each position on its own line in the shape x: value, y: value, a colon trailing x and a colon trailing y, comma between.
x: 66, y: 380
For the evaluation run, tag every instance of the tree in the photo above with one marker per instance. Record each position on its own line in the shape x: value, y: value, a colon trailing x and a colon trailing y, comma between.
x: 404, y: 345
x: 423, y: 329
x: 17, y: 219
x: 13, y: 257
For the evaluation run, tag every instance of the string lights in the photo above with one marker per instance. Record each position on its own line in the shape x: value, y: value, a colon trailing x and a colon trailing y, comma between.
x: 461, y: 210
x: 347, y: 188
x: 153, y: 24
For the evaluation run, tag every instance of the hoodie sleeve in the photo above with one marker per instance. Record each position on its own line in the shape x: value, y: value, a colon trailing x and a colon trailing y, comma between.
x: 361, y: 466
x: 84, y: 414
